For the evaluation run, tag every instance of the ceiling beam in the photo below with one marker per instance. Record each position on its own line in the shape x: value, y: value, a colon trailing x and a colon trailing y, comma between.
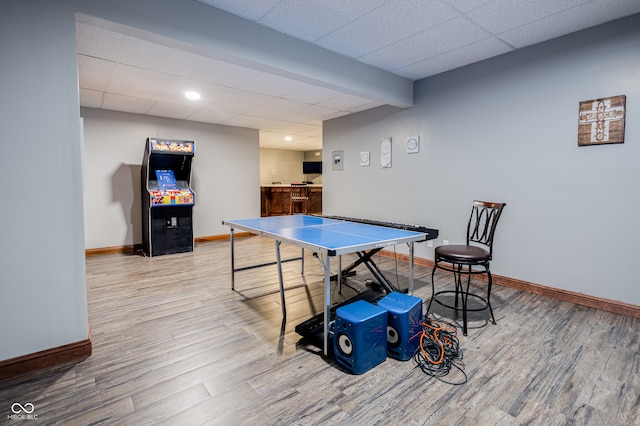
x: 207, y: 31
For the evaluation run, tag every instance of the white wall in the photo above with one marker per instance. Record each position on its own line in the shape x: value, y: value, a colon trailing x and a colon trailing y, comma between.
x: 280, y: 165
x: 284, y: 166
x: 225, y: 174
x: 506, y: 130
x: 42, y: 284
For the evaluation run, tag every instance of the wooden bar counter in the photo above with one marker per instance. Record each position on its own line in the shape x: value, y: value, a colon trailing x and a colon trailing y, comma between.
x: 274, y: 200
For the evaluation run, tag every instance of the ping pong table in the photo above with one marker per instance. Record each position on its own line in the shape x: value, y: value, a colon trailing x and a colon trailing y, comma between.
x: 322, y: 236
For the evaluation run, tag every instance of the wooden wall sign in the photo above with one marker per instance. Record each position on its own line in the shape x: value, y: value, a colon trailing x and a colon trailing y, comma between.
x: 601, y: 121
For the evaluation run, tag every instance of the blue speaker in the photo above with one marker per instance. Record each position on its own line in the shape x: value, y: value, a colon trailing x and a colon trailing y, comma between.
x: 404, y: 324
x: 360, y: 336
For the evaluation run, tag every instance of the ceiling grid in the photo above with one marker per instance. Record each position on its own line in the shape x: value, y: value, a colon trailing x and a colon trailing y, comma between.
x: 412, y: 39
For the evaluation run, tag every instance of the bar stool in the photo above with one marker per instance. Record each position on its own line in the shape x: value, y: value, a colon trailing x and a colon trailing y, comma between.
x: 461, y: 259
x: 299, y: 195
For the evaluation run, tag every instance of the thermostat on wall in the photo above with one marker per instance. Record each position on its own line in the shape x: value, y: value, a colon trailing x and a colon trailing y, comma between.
x: 413, y: 144
x: 364, y: 158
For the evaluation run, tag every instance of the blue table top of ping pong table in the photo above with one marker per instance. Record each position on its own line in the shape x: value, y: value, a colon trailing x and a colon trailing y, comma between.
x: 331, y: 236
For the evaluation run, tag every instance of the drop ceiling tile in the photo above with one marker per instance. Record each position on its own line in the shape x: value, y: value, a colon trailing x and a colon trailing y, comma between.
x: 387, y: 24
x: 467, y: 5
x: 272, y: 143
x: 569, y: 21
x: 296, y: 129
x: 243, y: 121
x: 616, y: 10
x: 217, y: 72
x: 94, y: 73
x: 313, y: 19
x: 278, y: 135
x: 290, y: 111
x: 233, y: 100
x: 450, y: 35
x: 97, y: 42
x: 275, y: 140
x: 276, y: 108
x: 314, y: 131
x: 456, y: 58
x: 90, y: 98
x: 167, y: 109
x: 273, y: 124
x: 210, y: 116
x: 176, y: 93
x: 306, y: 144
x: 126, y: 103
x: 248, y: 9
x: 131, y: 81
x: 503, y: 15
x: 145, y: 54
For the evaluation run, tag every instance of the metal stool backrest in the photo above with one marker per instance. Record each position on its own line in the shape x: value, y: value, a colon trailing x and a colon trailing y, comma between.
x: 482, y: 223
x: 299, y: 192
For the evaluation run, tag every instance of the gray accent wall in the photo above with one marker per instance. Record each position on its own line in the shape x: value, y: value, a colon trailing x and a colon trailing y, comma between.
x: 506, y: 130
x: 42, y: 278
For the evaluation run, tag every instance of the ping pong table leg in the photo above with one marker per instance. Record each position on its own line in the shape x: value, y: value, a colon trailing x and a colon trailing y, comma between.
x: 233, y: 267
x: 340, y: 274
x: 411, y: 268
x: 327, y: 303
x: 284, y: 309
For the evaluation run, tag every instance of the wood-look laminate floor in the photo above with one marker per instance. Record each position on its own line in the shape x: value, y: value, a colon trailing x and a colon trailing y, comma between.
x: 173, y: 345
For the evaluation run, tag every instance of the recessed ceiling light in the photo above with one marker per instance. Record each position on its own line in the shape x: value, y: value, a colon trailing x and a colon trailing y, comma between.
x: 194, y: 96
x: 288, y: 138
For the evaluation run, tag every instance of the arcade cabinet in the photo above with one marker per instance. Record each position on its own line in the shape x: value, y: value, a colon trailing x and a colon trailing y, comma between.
x: 167, y: 199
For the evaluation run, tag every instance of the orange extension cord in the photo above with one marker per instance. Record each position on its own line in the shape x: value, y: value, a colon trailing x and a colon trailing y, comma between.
x: 439, y: 350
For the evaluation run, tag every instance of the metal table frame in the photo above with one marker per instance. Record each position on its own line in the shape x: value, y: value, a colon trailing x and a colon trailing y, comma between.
x: 327, y: 253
